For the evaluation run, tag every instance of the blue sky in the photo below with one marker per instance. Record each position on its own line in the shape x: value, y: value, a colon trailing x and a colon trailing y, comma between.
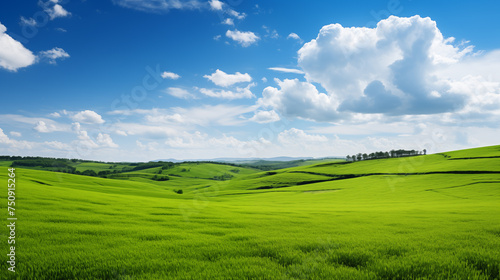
x: 127, y: 80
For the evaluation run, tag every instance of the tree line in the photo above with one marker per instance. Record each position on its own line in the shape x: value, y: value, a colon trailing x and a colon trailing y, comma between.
x: 390, y: 154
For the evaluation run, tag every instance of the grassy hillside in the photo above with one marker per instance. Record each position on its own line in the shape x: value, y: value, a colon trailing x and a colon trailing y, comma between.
x: 97, y: 166
x: 424, y: 217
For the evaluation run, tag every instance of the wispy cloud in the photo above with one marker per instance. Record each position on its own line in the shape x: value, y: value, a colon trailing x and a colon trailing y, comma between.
x: 179, y: 93
x: 54, y: 9
x: 238, y: 93
x: 53, y: 55
x: 159, y: 6
x: 286, y: 70
x: 204, y: 116
x: 28, y: 21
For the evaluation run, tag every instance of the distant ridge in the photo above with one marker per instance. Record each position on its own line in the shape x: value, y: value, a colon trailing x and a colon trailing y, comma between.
x: 247, y: 159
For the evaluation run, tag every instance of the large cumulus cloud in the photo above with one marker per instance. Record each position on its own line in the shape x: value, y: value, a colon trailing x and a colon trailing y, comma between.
x: 399, y: 67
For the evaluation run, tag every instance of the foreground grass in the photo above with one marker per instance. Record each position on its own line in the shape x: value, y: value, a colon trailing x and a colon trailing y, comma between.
x: 425, y: 226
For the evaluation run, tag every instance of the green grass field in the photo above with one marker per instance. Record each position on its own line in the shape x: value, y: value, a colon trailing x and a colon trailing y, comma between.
x: 424, y: 217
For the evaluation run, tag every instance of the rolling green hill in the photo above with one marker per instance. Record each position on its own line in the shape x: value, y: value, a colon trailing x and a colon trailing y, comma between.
x: 423, y: 217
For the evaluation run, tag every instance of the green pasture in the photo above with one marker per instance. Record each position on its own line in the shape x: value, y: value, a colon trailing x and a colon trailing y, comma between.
x: 423, y: 217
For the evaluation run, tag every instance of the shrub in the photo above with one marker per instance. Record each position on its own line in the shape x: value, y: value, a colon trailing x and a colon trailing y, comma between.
x: 224, y: 177
x: 89, y: 172
x: 160, y: 178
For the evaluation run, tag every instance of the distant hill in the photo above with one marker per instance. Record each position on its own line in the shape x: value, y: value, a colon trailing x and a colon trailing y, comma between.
x: 246, y: 160
x: 263, y: 163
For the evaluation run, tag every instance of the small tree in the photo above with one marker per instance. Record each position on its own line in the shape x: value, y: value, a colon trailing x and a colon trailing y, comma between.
x: 89, y: 172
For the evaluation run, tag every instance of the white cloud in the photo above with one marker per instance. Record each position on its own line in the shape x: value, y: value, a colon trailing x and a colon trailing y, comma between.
x: 28, y: 122
x: 296, y: 142
x: 153, y: 131
x: 477, y: 78
x: 174, y: 118
x: 128, y: 112
x: 84, y: 139
x: 245, y: 38
x: 104, y: 140
x: 53, y: 54
x: 54, y: 10
x: 180, y: 118
x: 218, y: 115
x: 229, y: 94
x: 88, y: 116
x: 296, y: 136
x: 58, y: 11
x: 366, y: 128
x: 201, y: 141
x: 13, y: 55
x: 151, y: 146
x: 158, y: 6
x: 292, y: 142
x: 216, y: 5
x: 3, y: 137
x: 286, y: 70
x: 57, y: 145
x: 395, y: 68
x: 76, y: 126
x: 265, y: 117
x: 170, y: 75
x: 121, y: 132
x: 179, y: 93
x: 222, y: 79
x: 294, y: 36
x: 299, y: 99
x: 264, y: 79
x: 43, y: 127
x: 14, y: 144
x: 15, y: 134
x: 28, y: 21
x: 195, y: 140
x: 164, y: 6
x: 235, y: 14
x: 55, y: 115
x: 270, y: 33
x: 228, y: 21
x: 140, y: 145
